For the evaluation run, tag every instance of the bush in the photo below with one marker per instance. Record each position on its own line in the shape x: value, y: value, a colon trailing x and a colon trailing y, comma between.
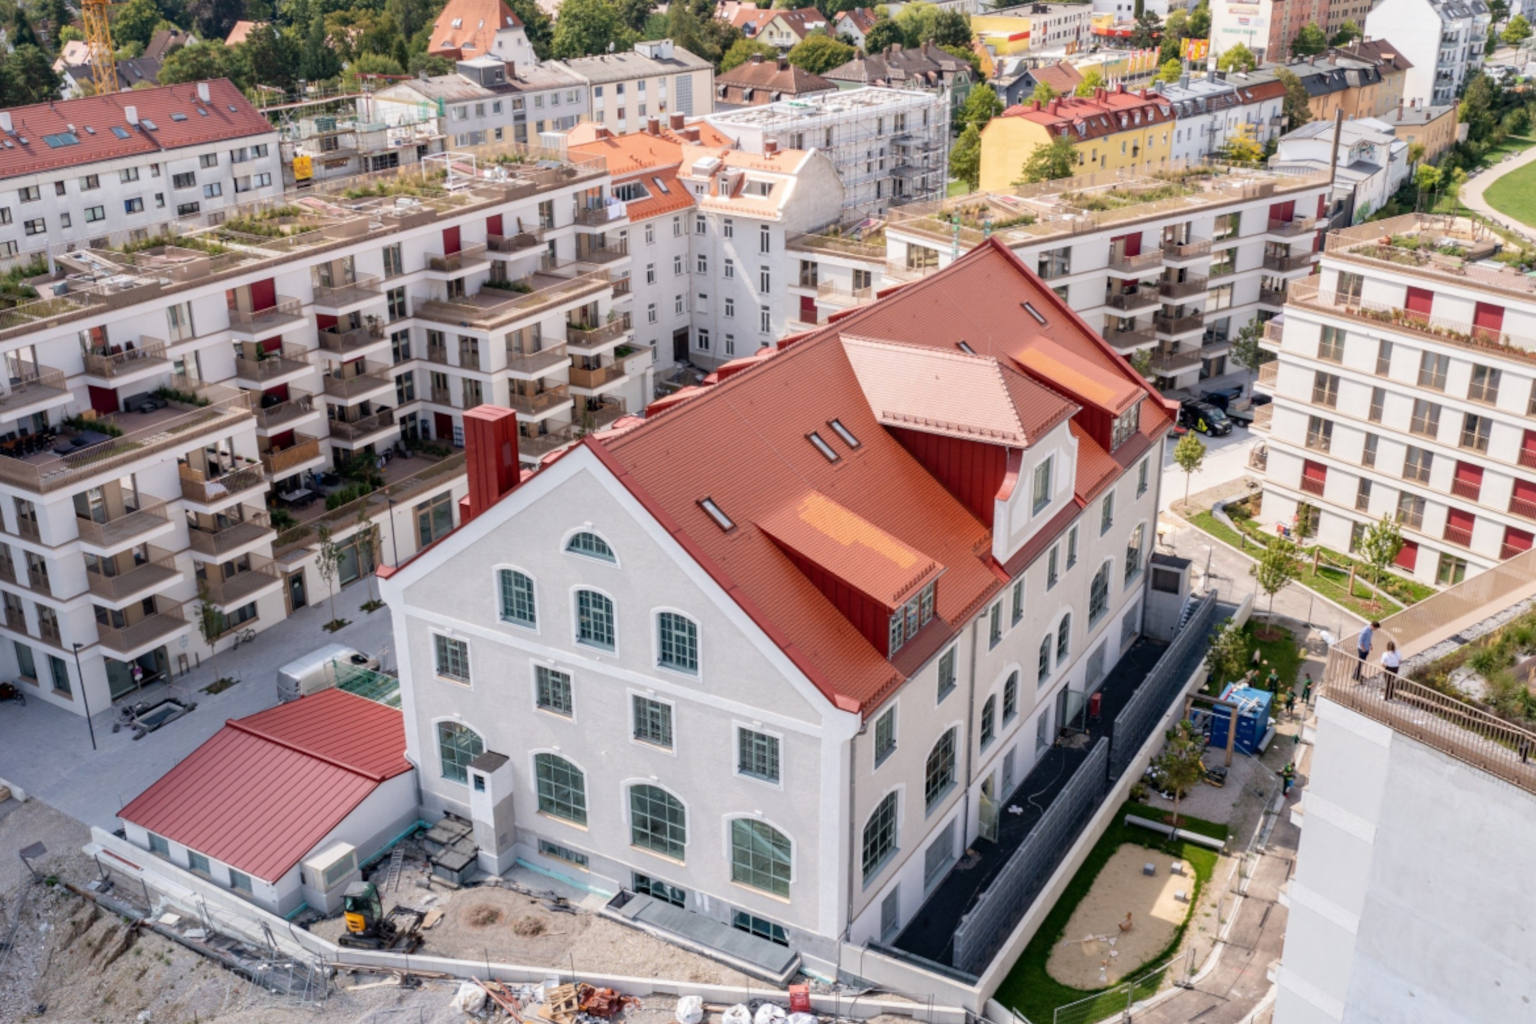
x: 346, y: 495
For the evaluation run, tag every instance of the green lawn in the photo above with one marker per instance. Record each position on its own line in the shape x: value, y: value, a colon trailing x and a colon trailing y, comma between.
x: 1515, y: 194
x: 1029, y: 990
x: 957, y: 188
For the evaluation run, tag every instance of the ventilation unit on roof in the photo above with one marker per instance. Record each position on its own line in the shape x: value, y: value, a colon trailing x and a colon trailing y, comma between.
x: 202, y: 91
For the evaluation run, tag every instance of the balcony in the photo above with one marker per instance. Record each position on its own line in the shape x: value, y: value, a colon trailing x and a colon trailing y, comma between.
x: 152, y: 629
x: 595, y: 378
x: 598, y: 413
x: 268, y: 321
x: 342, y: 298
x: 1274, y: 333
x: 1182, y: 289
x: 1292, y: 227
x: 1269, y: 375
x: 196, y: 487
x: 127, y: 527
x: 508, y: 244
x: 1469, y: 489
x: 352, y: 381
x: 1186, y: 250
x: 540, y: 402
x: 272, y: 366
x: 1126, y: 339
x: 347, y: 340
x: 221, y: 540
x: 1166, y: 324
x: 604, y: 253
x: 30, y: 384
x: 1176, y: 362
x: 280, y: 462
x: 155, y: 572
x: 277, y: 416
x: 470, y: 257
x: 589, y: 338
x: 1139, y: 264
x: 1141, y: 297
x: 536, y: 363
x: 126, y: 360
x: 1263, y: 416
x: 362, y: 428
x: 240, y: 587
x: 492, y: 307
x: 595, y: 216
x: 1508, y: 550
x: 1272, y: 297
x: 1523, y: 507
x: 1312, y: 485
x: 1286, y: 264
x: 530, y: 443
x: 1461, y: 536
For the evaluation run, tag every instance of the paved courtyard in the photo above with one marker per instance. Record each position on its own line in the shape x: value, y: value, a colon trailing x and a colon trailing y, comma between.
x: 46, y: 750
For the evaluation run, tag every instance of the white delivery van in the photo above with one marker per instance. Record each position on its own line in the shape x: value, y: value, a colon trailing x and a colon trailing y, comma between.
x: 316, y: 671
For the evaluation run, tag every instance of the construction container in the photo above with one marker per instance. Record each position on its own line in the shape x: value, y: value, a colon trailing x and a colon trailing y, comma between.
x: 1252, y: 718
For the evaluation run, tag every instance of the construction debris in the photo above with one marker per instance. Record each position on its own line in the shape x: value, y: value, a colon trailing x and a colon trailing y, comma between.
x: 603, y: 1002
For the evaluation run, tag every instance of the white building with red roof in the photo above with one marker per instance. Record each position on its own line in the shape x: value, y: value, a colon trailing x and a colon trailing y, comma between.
x: 779, y: 653
x: 272, y: 790
x: 107, y: 169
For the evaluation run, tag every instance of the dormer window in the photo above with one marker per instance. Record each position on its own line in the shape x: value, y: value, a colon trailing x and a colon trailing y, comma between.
x: 1125, y: 425
x: 911, y: 617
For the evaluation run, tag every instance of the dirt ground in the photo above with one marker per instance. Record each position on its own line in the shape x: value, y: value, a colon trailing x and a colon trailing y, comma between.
x: 1094, y: 951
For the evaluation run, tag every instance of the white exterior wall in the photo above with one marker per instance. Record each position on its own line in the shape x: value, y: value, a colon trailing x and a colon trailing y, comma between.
x: 662, y: 242
x: 1377, y: 931
x: 1445, y: 50
x: 1245, y: 22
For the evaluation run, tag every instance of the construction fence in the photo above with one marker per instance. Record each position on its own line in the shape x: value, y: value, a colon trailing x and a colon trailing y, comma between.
x: 1158, y: 689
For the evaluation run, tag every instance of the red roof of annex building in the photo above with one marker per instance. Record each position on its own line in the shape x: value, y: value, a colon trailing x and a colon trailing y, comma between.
x: 467, y: 28
x: 1106, y: 112
x: 265, y: 789
x: 70, y: 133
x: 910, y: 499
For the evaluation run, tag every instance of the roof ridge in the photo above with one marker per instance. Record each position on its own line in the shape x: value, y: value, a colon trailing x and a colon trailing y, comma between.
x: 243, y: 725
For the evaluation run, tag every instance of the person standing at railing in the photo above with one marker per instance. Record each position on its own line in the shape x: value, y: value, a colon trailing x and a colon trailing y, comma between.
x: 1391, y: 661
x: 1363, y: 646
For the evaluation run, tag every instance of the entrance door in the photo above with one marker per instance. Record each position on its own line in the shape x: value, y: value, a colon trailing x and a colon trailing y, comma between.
x: 442, y: 426
x: 296, y: 597
x: 680, y: 345
x: 987, y: 811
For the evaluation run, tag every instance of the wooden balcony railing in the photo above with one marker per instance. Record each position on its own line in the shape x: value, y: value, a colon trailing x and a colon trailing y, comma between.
x: 595, y: 377
x: 272, y: 417
x: 30, y: 382
x: 1182, y: 289
x: 363, y: 288
x: 221, y: 540
x: 1123, y: 264
x: 1293, y: 226
x: 270, y: 365
x: 579, y: 336
x: 540, y: 401
x: 454, y: 262
x: 239, y: 587
x: 1178, y: 324
x: 204, y: 490
x: 347, y: 340
x: 1284, y: 264
x: 1186, y: 250
x: 536, y: 363
x: 1459, y: 535
x: 341, y: 383
x: 363, y: 426
x: 282, y: 461
x: 1139, y: 297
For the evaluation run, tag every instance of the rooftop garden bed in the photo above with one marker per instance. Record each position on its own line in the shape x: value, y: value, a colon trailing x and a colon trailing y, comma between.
x: 1493, y: 672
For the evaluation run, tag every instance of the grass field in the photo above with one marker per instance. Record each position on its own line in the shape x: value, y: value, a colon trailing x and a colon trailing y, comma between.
x: 1515, y: 194
x: 1029, y: 990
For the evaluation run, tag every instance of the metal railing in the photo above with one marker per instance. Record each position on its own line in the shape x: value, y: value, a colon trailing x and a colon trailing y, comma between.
x: 223, y: 539
x: 287, y: 359
x: 1182, y: 289
x: 299, y: 404
x: 373, y: 376
x: 1173, y: 362
x: 201, y: 489
x: 361, y: 288
x: 1287, y: 263
x: 454, y: 262
x: 1130, y: 337
x: 513, y: 243
x: 984, y: 927
x: 363, y: 426
x: 539, y: 401
x: 1135, y: 298
x: 159, y: 569
x: 283, y: 460
x: 30, y: 382
x: 1186, y: 250
x: 259, y: 574
x: 1115, y: 1002
x: 120, y: 529
x: 1165, y: 324
x: 577, y: 336
x: 1124, y: 264
x: 516, y: 304
x: 1133, y: 723
x: 1294, y: 226
x: 142, y: 355
x: 371, y: 503
x: 251, y: 320
x: 1272, y: 296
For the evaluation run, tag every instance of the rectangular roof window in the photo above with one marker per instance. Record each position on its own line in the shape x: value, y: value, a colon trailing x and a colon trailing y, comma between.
x: 1029, y: 308
x: 120, y: 131
x: 721, y: 519
x: 965, y: 347
x: 821, y: 445
x: 178, y: 116
x: 844, y: 433
x: 62, y: 139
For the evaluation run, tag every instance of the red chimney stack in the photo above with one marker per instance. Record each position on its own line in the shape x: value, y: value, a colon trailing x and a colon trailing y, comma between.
x: 490, y: 457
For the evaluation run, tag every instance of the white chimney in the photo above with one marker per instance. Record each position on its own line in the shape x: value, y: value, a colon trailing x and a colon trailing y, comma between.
x: 5, y: 121
x: 202, y: 91
x: 131, y: 113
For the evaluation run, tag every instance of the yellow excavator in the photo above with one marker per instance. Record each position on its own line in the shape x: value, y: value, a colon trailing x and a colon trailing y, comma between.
x: 368, y: 927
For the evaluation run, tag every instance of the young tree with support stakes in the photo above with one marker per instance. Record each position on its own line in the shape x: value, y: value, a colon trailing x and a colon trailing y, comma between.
x: 1188, y: 454
x: 1246, y: 348
x: 1276, y: 567
x: 1379, y: 548
x: 328, y: 565
x: 1182, y: 764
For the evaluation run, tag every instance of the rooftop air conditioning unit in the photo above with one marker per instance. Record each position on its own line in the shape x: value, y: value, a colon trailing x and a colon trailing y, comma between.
x: 325, y: 876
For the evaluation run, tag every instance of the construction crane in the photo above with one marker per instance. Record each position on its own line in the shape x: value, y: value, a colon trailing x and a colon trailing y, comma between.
x: 98, y: 36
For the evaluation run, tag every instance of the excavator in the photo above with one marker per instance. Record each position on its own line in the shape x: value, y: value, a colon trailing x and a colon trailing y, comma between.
x: 368, y: 927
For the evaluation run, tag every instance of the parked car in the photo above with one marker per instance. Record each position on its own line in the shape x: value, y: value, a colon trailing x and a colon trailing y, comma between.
x: 1222, y: 398
x: 1205, y: 417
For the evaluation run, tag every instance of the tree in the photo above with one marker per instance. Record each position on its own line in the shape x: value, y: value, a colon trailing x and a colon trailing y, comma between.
x: 1227, y: 657
x: 537, y: 25
x: 1380, y: 545
x: 1309, y: 39
x: 214, y: 18
x: 1171, y: 71
x: 879, y: 38
x: 1043, y: 93
x: 1415, y: 153
x: 1141, y: 362
x: 1294, y: 106
x: 1181, y: 765
x: 1093, y: 79
x: 1188, y: 454
x: 1275, y: 568
x: 1517, y: 31
x: 819, y: 53
x: 317, y: 60
x: 273, y: 57
x: 1177, y: 25
x: 589, y: 27
x: 210, y: 621
x: 328, y: 565
x: 135, y: 21
x: 372, y: 64
x: 1347, y: 33
x: 980, y: 106
x: 1055, y: 159
x: 1479, y: 106
x: 1242, y: 149
x: 1237, y: 58
x: 965, y: 158
x: 743, y: 49
x: 924, y: 22
x: 1246, y: 349
x: 1426, y: 178
x: 1148, y: 29
x: 27, y: 76
x: 1200, y: 21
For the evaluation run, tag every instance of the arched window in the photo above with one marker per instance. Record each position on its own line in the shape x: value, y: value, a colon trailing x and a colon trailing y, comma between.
x: 594, y: 619
x: 1133, y: 552
x: 657, y: 821
x: 1098, y: 594
x: 879, y: 836
x: 590, y: 544
x: 988, y: 722
x: 760, y: 856
x: 1011, y: 697
x: 677, y: 642
x: 457, y: 745
x: 517, y: 597
x: 939, y: 773
x: 562, y: 788
x: 1043, y: 669
x: 1064, y: 638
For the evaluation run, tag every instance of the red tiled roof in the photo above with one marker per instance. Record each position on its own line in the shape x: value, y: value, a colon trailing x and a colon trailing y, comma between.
x: 265, y: 789
x: 467, y: 28
x: 241, y: 31
x: 95, y: 118
x: 1106, y: 112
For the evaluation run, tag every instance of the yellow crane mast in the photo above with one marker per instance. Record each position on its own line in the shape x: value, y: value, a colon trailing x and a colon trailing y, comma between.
x: 98, y: 36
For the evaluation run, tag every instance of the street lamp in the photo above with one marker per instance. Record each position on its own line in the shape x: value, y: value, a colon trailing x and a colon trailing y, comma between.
x: 84, y: 696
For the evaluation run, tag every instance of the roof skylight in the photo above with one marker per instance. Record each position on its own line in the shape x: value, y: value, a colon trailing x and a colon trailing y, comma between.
x: 965, y: 347
x: 713, y: 511
x: 821, y: 445
x: 844, y: 433
x: 1029, y: 308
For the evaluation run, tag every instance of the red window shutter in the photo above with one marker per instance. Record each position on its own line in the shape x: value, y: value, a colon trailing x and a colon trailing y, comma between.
x: 1132, y: 243
x: 1314, y: 471
x: 1407, y: 555
x: 1488, y: 317
x: 263, y: 294
x: 1516, y: 540
x: 1283, y: 211
x: 450, y: 240
x: 1419, y: 300
x: 1525, y: 490
x: 493, y: 224
x: 1459, y: 519
x: 1466, y: 472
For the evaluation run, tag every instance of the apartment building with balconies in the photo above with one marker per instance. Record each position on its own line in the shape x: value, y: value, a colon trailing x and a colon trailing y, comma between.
x: 108, y: 169
x: 1443, y: 39
x: 1404, y: 388
x: 182, y: 419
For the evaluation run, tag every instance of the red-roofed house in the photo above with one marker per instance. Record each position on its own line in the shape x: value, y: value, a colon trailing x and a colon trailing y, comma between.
x: 82, y: 170
x: 1114, y: 129
x: 467, y: 28
x: 773, y: 653
x: 270, y: 791
x: 781, y: 28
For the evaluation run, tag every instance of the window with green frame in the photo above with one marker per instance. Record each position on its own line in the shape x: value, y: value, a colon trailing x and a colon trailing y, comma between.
x: 657, y: 821
x: 553, y: 690
x: 451, y: 656
x: 885, y: 736
x: 760, y: 856
x: 517, y: 604
x: 594, y: 619
x: 457, y: 745
x: 677, y: 642
x: 434, y: 519
x: 591, y: 545
x: 653, y: 721
x: 757, y: 755
x: 657, y: 889
x: 562, y: 788
x: 879, y: 837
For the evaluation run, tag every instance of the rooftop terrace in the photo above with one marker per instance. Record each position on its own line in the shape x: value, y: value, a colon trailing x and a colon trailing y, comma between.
x: 1451, y: 249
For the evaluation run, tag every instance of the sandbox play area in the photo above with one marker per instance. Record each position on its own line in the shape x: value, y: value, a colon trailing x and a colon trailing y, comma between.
x: 1095, y: 950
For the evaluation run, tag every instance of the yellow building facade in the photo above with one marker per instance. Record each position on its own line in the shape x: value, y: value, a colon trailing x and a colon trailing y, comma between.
x: 1110, y: 131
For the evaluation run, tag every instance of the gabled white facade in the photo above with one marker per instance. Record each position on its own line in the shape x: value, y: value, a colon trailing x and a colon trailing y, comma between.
x: 1444, y: 40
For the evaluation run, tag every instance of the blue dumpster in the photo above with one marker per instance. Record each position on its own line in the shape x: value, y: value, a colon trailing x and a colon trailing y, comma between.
x: 1252, y: 718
